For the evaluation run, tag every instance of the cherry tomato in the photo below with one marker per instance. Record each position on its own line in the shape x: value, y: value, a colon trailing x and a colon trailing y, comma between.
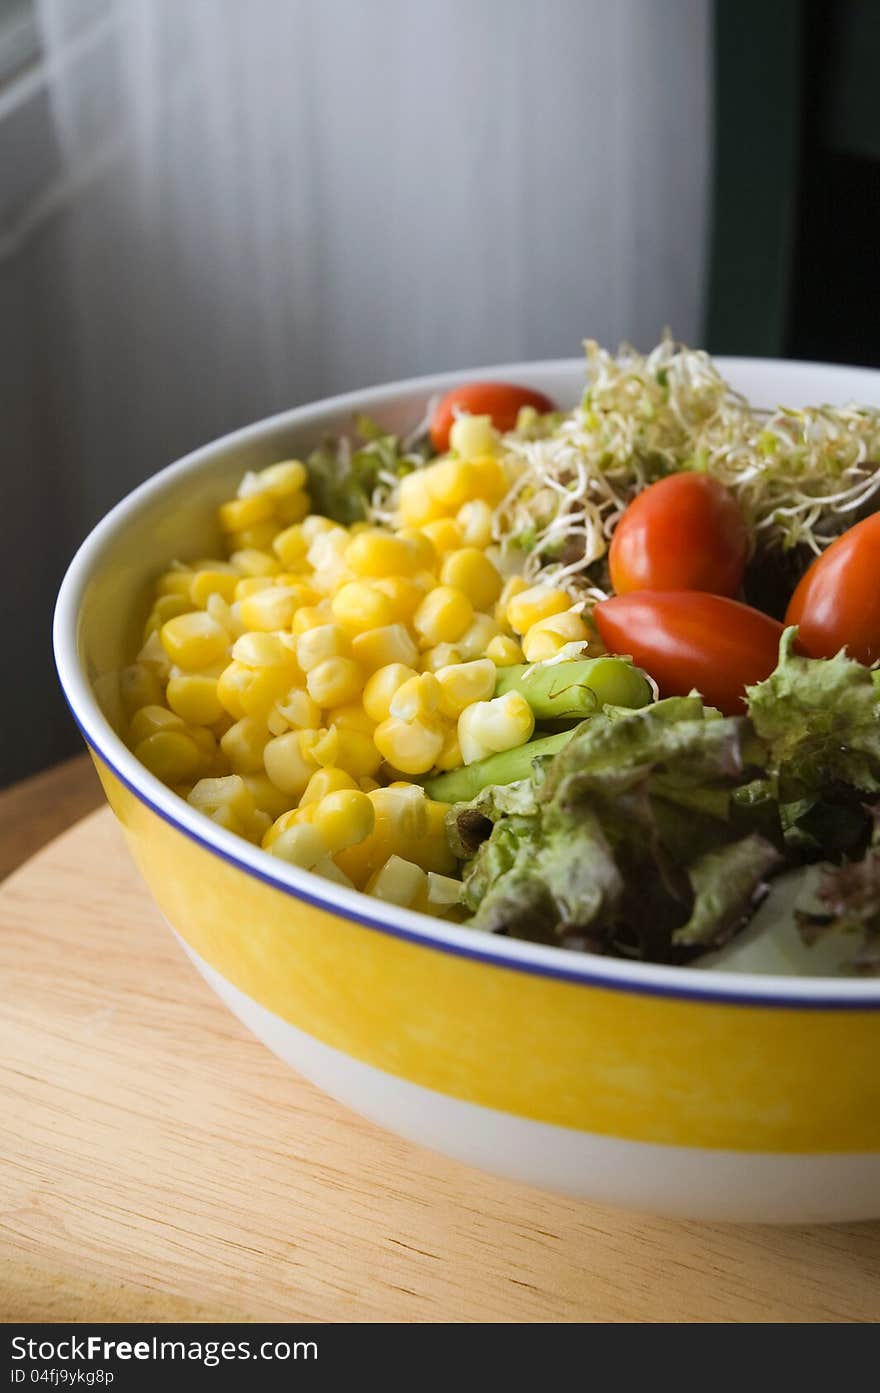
x: 687, y: 639
x: 837, y: 603
x: 685, y: 532
x: 500, y: 400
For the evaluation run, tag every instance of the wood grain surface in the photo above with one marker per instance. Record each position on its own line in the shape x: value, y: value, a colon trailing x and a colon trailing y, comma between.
x: 157, y: 1163
x: 35, y: 810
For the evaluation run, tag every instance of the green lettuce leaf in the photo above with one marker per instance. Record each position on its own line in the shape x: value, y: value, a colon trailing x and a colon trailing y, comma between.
x: 849, y: 901
x: 820, y: 721
x: 629, y: 841
x: 343, y: 474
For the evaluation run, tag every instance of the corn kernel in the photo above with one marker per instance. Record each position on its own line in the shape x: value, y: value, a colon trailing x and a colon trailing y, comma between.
x: 319, y: 643
x: 205, y: 742
x: 514, y: 585
x: 405, y: 594
x: 398, y: 882
x: 194, y: 698
x: 327, y: 549
x: 443, y: 891
x: 328, y: 868
x: 344, y: 818
x: 320, y: 746
x: 421, y: 548
x: 433, y: 852
x: 441, y: 655
x: 252, y: 585
x: 169, y: 754
x: 292, y: 508
x: 443, y: 616
x: 463, y: 683
x: 504, y: 651
x: 474, y: 520
x: 315, y: 524
x: 289, y: 818
x: 357, y: 752
x: 335, y: 681
x: 373, y: 553
x: 275, y: 721
x: 231, y: 687
x: 311, y: 615
x: 471, y: 571
x: 267, y: 798
x: 538, y: 602
x: 245, y: 512
x: 194, y: 640
x: 222, y: 816
x: 488, y: 480
x: 252, y: 561
x: 544, y: 639
x: 419, y: 696
x: 176, y: 582
x: 477, y: 637
x: 450, y: 753
x: 244, y: 743
x: 290, y: 546
x: 228, y: 616
x: 358, y: 606
x: 376, y: 648
x: 487, y: 727
x: 410, y: 746
x: 444, y: 535
x: 153, y: 656
x: 150, y: 719
x: 287, y: 765
x: 257, y: 538
x: 272, y: 608
x: 381, y: 688
x: 139, y: 686
x: 229, y: 792
x: 299, y: 710
x: 263, y: 650
x: 256, y: 826
x: 352, y: 716
x: 471, y: 436
x: 401, y: 822
x: 165, y: 608
x: 267, y: 686
x: 301, y: 845
x: 285, y: 477
x: 448, y: 482
x: 415, y: 504
x: 324, y: 781
x: 213, y: 582
x: 367, y: 785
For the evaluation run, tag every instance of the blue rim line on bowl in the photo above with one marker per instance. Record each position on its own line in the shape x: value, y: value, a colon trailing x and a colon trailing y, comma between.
x: 644, y: 979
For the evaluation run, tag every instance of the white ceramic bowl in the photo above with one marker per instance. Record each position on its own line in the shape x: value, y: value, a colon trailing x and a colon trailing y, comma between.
x: 694, y: 1093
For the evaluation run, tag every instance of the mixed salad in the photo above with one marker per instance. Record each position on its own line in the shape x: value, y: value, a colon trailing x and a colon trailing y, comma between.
x: 597, y: 678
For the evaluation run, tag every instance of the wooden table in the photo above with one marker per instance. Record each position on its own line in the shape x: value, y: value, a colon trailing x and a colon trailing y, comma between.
x: 157, y: 1163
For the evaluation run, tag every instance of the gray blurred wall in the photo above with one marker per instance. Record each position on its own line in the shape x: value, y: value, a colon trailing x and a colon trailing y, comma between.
x: 212, y: 210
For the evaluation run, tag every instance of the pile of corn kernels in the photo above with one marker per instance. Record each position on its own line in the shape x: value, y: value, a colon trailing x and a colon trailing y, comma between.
x: 294, y: 690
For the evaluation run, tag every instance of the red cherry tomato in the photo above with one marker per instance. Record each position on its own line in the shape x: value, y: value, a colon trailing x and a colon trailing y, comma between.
x: 500, y: 400
x: 685, y: 532
x: 687, y: 639
x: 837, y: 603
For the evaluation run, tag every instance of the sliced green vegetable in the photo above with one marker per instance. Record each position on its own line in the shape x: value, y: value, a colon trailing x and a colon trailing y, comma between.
x: 461, y: 785
x: 575, y: 689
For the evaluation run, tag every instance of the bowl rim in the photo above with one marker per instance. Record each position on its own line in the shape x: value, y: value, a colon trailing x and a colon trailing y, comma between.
x: 612, y: 974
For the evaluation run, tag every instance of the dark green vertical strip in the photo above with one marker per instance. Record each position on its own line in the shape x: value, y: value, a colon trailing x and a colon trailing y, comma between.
x: 758, y: 60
